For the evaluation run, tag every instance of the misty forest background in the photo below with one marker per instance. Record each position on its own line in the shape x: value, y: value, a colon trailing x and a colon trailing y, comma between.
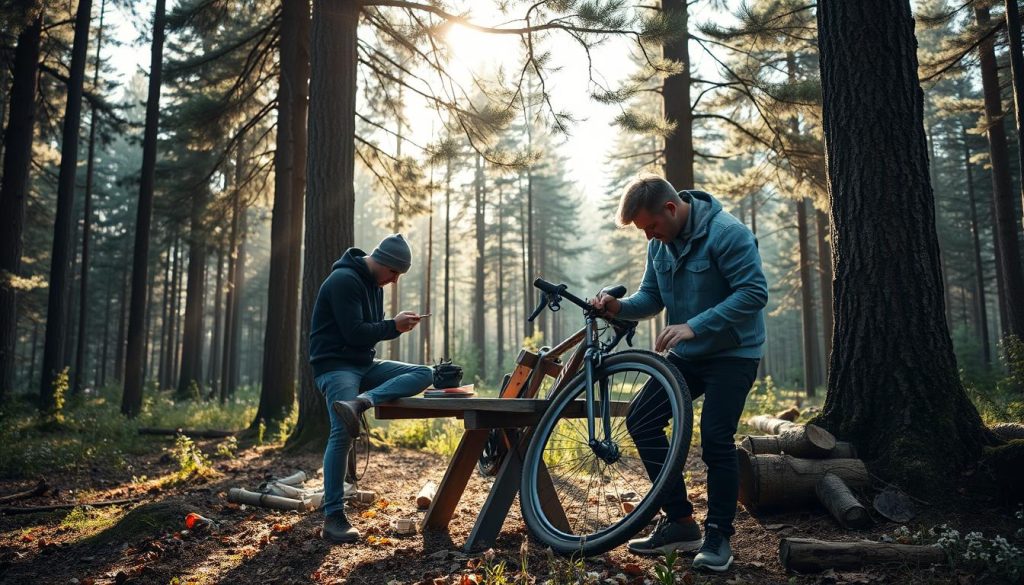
x: 163, y: 233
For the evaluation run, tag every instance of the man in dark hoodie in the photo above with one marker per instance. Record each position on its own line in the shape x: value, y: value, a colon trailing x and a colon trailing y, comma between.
x: 704, y: 270
x: 348, y: 321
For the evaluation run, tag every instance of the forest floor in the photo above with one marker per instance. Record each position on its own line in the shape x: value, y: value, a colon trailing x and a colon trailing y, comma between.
x: 146, y: 541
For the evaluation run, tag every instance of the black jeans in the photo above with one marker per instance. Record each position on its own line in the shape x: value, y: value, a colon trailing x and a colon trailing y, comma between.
x: 724, y: 383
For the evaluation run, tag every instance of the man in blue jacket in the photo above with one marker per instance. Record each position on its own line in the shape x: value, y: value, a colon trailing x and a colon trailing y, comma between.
x: 703, y: 267
x: 348, y: 321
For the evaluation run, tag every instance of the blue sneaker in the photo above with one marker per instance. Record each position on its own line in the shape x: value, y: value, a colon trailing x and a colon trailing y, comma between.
x: 715, y: 554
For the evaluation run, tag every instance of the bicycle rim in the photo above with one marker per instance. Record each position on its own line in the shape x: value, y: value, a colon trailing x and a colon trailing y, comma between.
x: 602, y: 502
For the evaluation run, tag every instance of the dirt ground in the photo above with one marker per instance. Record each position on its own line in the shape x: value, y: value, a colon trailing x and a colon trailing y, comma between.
x: 146, y: 541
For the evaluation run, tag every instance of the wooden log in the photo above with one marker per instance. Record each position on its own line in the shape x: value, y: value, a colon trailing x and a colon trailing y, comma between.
x: 782, y: 481
x: 243, y: 496
x: 808, y: 555
x: 426, y: 495
x: 837, y: 498
x: 767, y: 423
x: 1008, y: 431
x: 193, y: 433
x: 769, y: 445
x: 809, y: 441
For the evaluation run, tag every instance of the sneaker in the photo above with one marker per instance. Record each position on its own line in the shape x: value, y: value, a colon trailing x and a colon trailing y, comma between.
x: 338, y: 530
x: 349, y: 411
x: 667, y: 537
x: 715, y: 554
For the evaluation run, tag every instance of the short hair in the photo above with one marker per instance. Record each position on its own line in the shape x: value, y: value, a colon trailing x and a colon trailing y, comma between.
x: 646, y: 192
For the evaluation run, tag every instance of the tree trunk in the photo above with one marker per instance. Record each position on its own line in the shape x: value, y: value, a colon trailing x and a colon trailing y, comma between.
x: 447, y: 259
x: 1017, y: 73
x: 213, y: 371
x: 479, y: 335
x: 981, y: 311
x: 83, y: 305
x: 1000, y: 285
x: 195, y: 301
x: 60, y: 256
x: 825, y: 281
x: 908, y: 413
x: 500, y: 306
x: 675, y: 93
x: 330, y: 198
x: 101, y: 375
x: 225, y: 358
x: 280, y: 344
x: 810, y: 325
x: 122, y: 314
x: 14, y: 192
x: 1006, y: 223
x: 131, y: 400
x: 426, y: 354
x: 233, y: 323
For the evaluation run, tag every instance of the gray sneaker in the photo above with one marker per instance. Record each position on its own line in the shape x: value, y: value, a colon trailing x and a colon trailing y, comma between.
x: 715, y: 554
x: 349, y: 412
x: 667, y: 537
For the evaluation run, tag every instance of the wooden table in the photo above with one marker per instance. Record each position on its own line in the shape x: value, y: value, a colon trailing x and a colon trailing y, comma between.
x: 480, y: 416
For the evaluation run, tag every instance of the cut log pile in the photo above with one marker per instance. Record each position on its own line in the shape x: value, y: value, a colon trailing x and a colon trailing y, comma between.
x: 288, y: 493
x: 795, y: 465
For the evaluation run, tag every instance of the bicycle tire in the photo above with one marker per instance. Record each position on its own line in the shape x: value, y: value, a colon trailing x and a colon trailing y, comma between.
x: 632, y: 521
x: 358, y: 452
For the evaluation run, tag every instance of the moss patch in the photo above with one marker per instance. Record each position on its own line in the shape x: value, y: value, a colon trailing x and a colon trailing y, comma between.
x: 146, y: 520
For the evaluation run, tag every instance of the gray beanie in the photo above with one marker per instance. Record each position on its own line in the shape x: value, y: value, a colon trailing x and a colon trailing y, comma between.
x: 393, y: 252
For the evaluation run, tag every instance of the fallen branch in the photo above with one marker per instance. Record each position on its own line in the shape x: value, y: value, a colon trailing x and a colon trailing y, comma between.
x: 10, y: 511
x: 38, y: 490
x: 197, y: 434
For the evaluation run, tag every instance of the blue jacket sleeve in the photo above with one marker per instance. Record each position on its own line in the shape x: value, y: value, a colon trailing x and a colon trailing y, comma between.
x: 346, y: 298
x: 740, y: 263
x: 645, y: 302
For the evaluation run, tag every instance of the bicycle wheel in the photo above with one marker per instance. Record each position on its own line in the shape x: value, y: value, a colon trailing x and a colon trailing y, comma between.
x: 578, y: 501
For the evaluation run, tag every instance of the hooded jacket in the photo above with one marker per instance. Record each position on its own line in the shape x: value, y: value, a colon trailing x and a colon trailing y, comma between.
x: 348, y: 317
x: 713, y: 281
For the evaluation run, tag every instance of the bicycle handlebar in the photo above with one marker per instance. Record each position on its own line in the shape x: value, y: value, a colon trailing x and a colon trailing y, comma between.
x: 559, y: 290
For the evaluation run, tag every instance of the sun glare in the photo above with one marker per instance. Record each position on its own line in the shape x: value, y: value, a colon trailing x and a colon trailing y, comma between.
x: 476, y: 48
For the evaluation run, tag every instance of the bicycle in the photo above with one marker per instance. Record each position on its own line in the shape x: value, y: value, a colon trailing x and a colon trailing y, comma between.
x: 582, y: 454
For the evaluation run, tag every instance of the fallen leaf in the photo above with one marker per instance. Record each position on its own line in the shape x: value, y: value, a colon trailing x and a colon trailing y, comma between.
x: 633, y: 569
x: 281, y: 527
x: 895, y: 505
x: 368, y: 514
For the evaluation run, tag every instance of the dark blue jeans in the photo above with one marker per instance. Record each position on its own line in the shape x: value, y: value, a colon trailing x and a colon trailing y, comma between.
x: 724, y: 383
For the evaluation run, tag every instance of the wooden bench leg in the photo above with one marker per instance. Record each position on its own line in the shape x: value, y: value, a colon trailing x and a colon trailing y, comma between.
x: 471, y: 446
x: 499, y: 501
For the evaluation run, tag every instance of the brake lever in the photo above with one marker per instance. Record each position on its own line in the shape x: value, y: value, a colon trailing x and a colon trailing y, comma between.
x: 540, y: 307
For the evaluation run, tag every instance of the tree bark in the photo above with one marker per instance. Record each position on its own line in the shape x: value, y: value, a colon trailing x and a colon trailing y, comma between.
x: 14, y: 191
x: 122, y: 315
x: 195, y: 300
x: 216, y: 341
x: 783, y: 481
x: 426, y: 354
x: 675, y: 93
x: 131, y: 400
x: 825, y: 281
x: 58, y: 296
x: 500, y: 305
x: 1006, y: 223
x: 280, y: 344
x: 330, y: 196
x: 835, y: 495
x: 980, y: 309
x: 908, y: 413
x: 810, y: 325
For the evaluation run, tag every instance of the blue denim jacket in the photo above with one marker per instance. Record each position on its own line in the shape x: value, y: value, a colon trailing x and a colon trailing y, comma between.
x: 714, y: 283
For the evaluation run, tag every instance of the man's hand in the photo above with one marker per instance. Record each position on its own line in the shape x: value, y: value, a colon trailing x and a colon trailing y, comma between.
x: 406, y: 321
x: 607, y: 304
x: 671, y: 335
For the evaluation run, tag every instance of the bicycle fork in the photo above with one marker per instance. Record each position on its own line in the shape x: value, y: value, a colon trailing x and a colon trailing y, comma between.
x: 607, y: 449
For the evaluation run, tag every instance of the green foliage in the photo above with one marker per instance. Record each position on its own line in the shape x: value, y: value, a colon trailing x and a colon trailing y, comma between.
x: 55, y: 417
x: 994, y: 560
x: 191, y: 459
x: 562, y: 571
x: 494, y: 572
x: 440, y: 436
x: 999, y: 396
x: 261, y: 430
x: 228, y: 447
x: 83, y: 519
x: 94, y: 433
x: 665, y: 571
